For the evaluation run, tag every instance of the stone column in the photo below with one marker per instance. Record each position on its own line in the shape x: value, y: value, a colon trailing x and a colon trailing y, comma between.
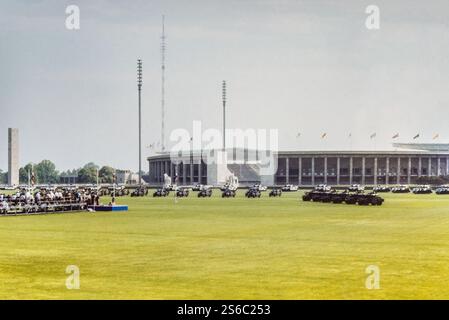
x: 313, y: 171
x: 398, y: 171
x: 338, y: 171
x: 363, y: 170
x: 184, y: 173
x: 375, y: 171
x: 300, y: 171
x: 429, y: 173
x: 191, y: 172
x: 409, y: 170
x: 439, y: 169
x: 199, y: 172
x: 287, y: 171
x: 447, y: 166
x: 351, y: 169
x: 325, y: 170
x: 419, y: 167
x: 387, y: 170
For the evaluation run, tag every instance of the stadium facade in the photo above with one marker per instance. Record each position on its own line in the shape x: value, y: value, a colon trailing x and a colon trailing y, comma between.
x: 310, y: 168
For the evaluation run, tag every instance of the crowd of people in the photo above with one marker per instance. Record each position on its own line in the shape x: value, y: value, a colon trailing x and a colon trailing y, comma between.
x: 41, y: 200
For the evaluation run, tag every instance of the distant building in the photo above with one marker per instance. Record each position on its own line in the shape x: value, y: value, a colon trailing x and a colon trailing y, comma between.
x: 127, y: 177
x: 68, y: 179
x: 310, y: 168
x: 13, y: 156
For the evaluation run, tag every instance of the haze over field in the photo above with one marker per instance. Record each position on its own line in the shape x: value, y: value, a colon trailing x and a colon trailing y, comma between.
x: 299, y: 66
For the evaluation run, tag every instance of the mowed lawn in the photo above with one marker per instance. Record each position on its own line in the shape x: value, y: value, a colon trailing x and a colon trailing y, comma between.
x: 238, y: 248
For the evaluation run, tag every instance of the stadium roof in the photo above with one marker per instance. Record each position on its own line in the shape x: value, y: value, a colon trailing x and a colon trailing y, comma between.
x: 432, y: 147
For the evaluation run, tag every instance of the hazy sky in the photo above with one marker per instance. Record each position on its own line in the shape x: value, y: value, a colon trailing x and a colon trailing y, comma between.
x: 299, y: 66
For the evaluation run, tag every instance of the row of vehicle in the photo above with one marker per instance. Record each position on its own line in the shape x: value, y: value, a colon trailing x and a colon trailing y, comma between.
x: 346, y: 196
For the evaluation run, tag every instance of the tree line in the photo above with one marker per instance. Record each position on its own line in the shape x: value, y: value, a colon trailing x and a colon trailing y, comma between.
x: 45, y: 172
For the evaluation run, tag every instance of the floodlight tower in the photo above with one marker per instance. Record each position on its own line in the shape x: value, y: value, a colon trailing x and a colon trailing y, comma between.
x: 139, y: 88
x: 163, y: 85
x: 224, y: 113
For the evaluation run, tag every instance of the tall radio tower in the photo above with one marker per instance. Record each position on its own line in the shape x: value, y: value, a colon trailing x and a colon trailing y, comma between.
x: 163, y: 85
x: 139, y: 88
x: 223, y: 96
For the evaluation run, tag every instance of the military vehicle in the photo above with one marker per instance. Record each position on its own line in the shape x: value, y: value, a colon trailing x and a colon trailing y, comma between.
x: 275, y: 193
x: 356, y: 188
x: 228, y: 193
x: 422, y: 190
x: 345, y: 196
x: 289, y: 187
x: 139, y: 192
x: 442, y: 190
x: 253, y: 193
x: 400, y: 189
x: 323, y: 187
x: 259, y: 187
x: 205, y: 193
x: 380, y: 189
x: 161, y: 192
x: 182, y: 192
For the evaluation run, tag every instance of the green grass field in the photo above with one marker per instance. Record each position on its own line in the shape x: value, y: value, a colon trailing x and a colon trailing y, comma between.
x: 268, y: 248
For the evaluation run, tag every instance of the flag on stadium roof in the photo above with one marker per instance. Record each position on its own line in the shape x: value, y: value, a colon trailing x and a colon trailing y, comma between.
x: 373, y: 135
x: 395, y: 136
x: 416, y: 137
x: 323, y: 135
x: 436, y: 136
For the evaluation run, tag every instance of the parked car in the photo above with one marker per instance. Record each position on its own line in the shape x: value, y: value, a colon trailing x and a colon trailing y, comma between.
x: 442, y: 190
x: 356, y: 188
x: 381, y: 189
x: 322, y: 187
x: 289, y: 187
x: 400, y: 189
x: 422, y: 189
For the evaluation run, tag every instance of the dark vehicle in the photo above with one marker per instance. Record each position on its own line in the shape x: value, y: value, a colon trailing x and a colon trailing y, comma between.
x: 228, y: 193
x: 205, y: 193
x: 161, y: 193
x: 379, y: 189
x: 369, y: 199
x: 253, y: 193
x: 422, y: 190
x: 290, y: 187
x: 356, y: 188
x: 275, y: 193
x: 119, y: 191
x: 139, y: 192
x: 345, y: 196
x: 182, y: 192
x: 401, y: 189
x: 442, y: 190
x: 314, y: 196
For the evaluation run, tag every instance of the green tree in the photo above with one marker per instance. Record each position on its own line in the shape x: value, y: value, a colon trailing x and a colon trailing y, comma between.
x: 23, y: 173
x: 106, y: 174
x: 88, y: 173
x: 45, y: 172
